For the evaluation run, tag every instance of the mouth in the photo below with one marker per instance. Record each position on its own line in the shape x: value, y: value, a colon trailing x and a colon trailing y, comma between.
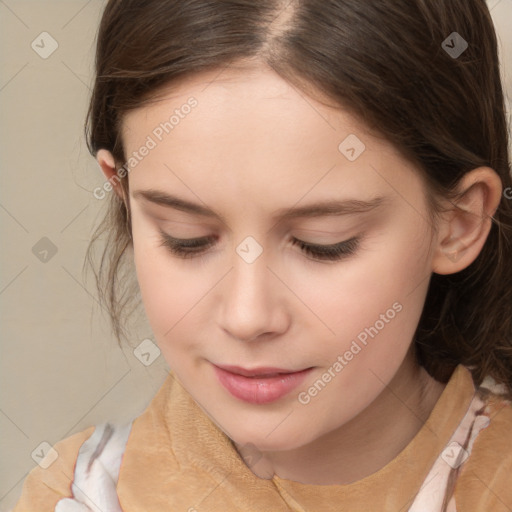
x: 260, y: 372
x: 259, y: 385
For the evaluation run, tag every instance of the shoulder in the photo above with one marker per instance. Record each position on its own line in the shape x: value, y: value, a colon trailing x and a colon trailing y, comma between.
x: 43, y: 488
x: 485, y: 481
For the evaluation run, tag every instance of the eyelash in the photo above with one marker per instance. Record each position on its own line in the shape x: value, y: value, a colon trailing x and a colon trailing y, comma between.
x: 186, y: 248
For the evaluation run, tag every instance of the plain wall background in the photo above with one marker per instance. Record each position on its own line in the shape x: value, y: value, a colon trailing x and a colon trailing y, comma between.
x: 61, y: 369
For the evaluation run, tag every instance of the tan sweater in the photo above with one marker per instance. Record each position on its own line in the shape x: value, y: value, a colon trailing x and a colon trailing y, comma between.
x: 177, y: 459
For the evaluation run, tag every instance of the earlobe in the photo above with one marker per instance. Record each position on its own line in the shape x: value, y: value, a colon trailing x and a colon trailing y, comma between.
x: 465, y: 226
x: 107, y: 163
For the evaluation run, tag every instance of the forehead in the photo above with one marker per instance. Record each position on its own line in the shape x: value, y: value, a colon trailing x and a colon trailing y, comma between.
x: 241, y: 96
x: 252, y: 138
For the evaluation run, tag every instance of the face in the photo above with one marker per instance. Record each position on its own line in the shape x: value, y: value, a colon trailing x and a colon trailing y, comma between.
x: 231, y: 276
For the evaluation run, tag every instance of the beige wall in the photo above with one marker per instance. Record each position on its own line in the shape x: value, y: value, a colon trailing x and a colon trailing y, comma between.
x: 61, y: 370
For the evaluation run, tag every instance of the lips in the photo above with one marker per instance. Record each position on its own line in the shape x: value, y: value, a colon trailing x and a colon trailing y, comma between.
x: 261, y: 371
x: 259, y: 385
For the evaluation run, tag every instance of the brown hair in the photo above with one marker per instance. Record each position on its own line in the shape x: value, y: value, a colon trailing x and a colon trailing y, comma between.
x: 386, y: 62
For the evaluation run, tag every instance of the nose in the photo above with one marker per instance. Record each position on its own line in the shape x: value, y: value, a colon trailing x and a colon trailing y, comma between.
x: 253, y: 301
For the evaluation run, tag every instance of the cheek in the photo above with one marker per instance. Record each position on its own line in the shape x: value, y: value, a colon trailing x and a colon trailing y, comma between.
x: 376, y: 298
x: 372, y: 307
x: 168, y: 291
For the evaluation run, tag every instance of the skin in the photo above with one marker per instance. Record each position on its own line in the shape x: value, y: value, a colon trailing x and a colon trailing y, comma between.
x: 252, y: 146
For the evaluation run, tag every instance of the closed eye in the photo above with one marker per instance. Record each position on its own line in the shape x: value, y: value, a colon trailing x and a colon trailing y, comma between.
x: 333, y: 252
x: 189, y: 248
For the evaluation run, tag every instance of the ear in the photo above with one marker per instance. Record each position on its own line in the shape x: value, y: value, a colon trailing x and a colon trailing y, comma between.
x: 107, y: 163
x: 464, y: 228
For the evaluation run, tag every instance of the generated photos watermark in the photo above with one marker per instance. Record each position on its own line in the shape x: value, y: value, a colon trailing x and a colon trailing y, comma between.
x: 356, y: 347
x: 157, y: 135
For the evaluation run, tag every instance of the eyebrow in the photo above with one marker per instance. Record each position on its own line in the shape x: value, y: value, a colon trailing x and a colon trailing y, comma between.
x: 318, y: 209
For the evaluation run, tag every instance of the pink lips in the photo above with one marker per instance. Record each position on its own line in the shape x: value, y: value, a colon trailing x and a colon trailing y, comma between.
x: 259, y: 385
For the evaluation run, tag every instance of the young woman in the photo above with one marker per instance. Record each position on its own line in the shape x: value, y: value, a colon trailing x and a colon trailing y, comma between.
x: 313, y: 195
